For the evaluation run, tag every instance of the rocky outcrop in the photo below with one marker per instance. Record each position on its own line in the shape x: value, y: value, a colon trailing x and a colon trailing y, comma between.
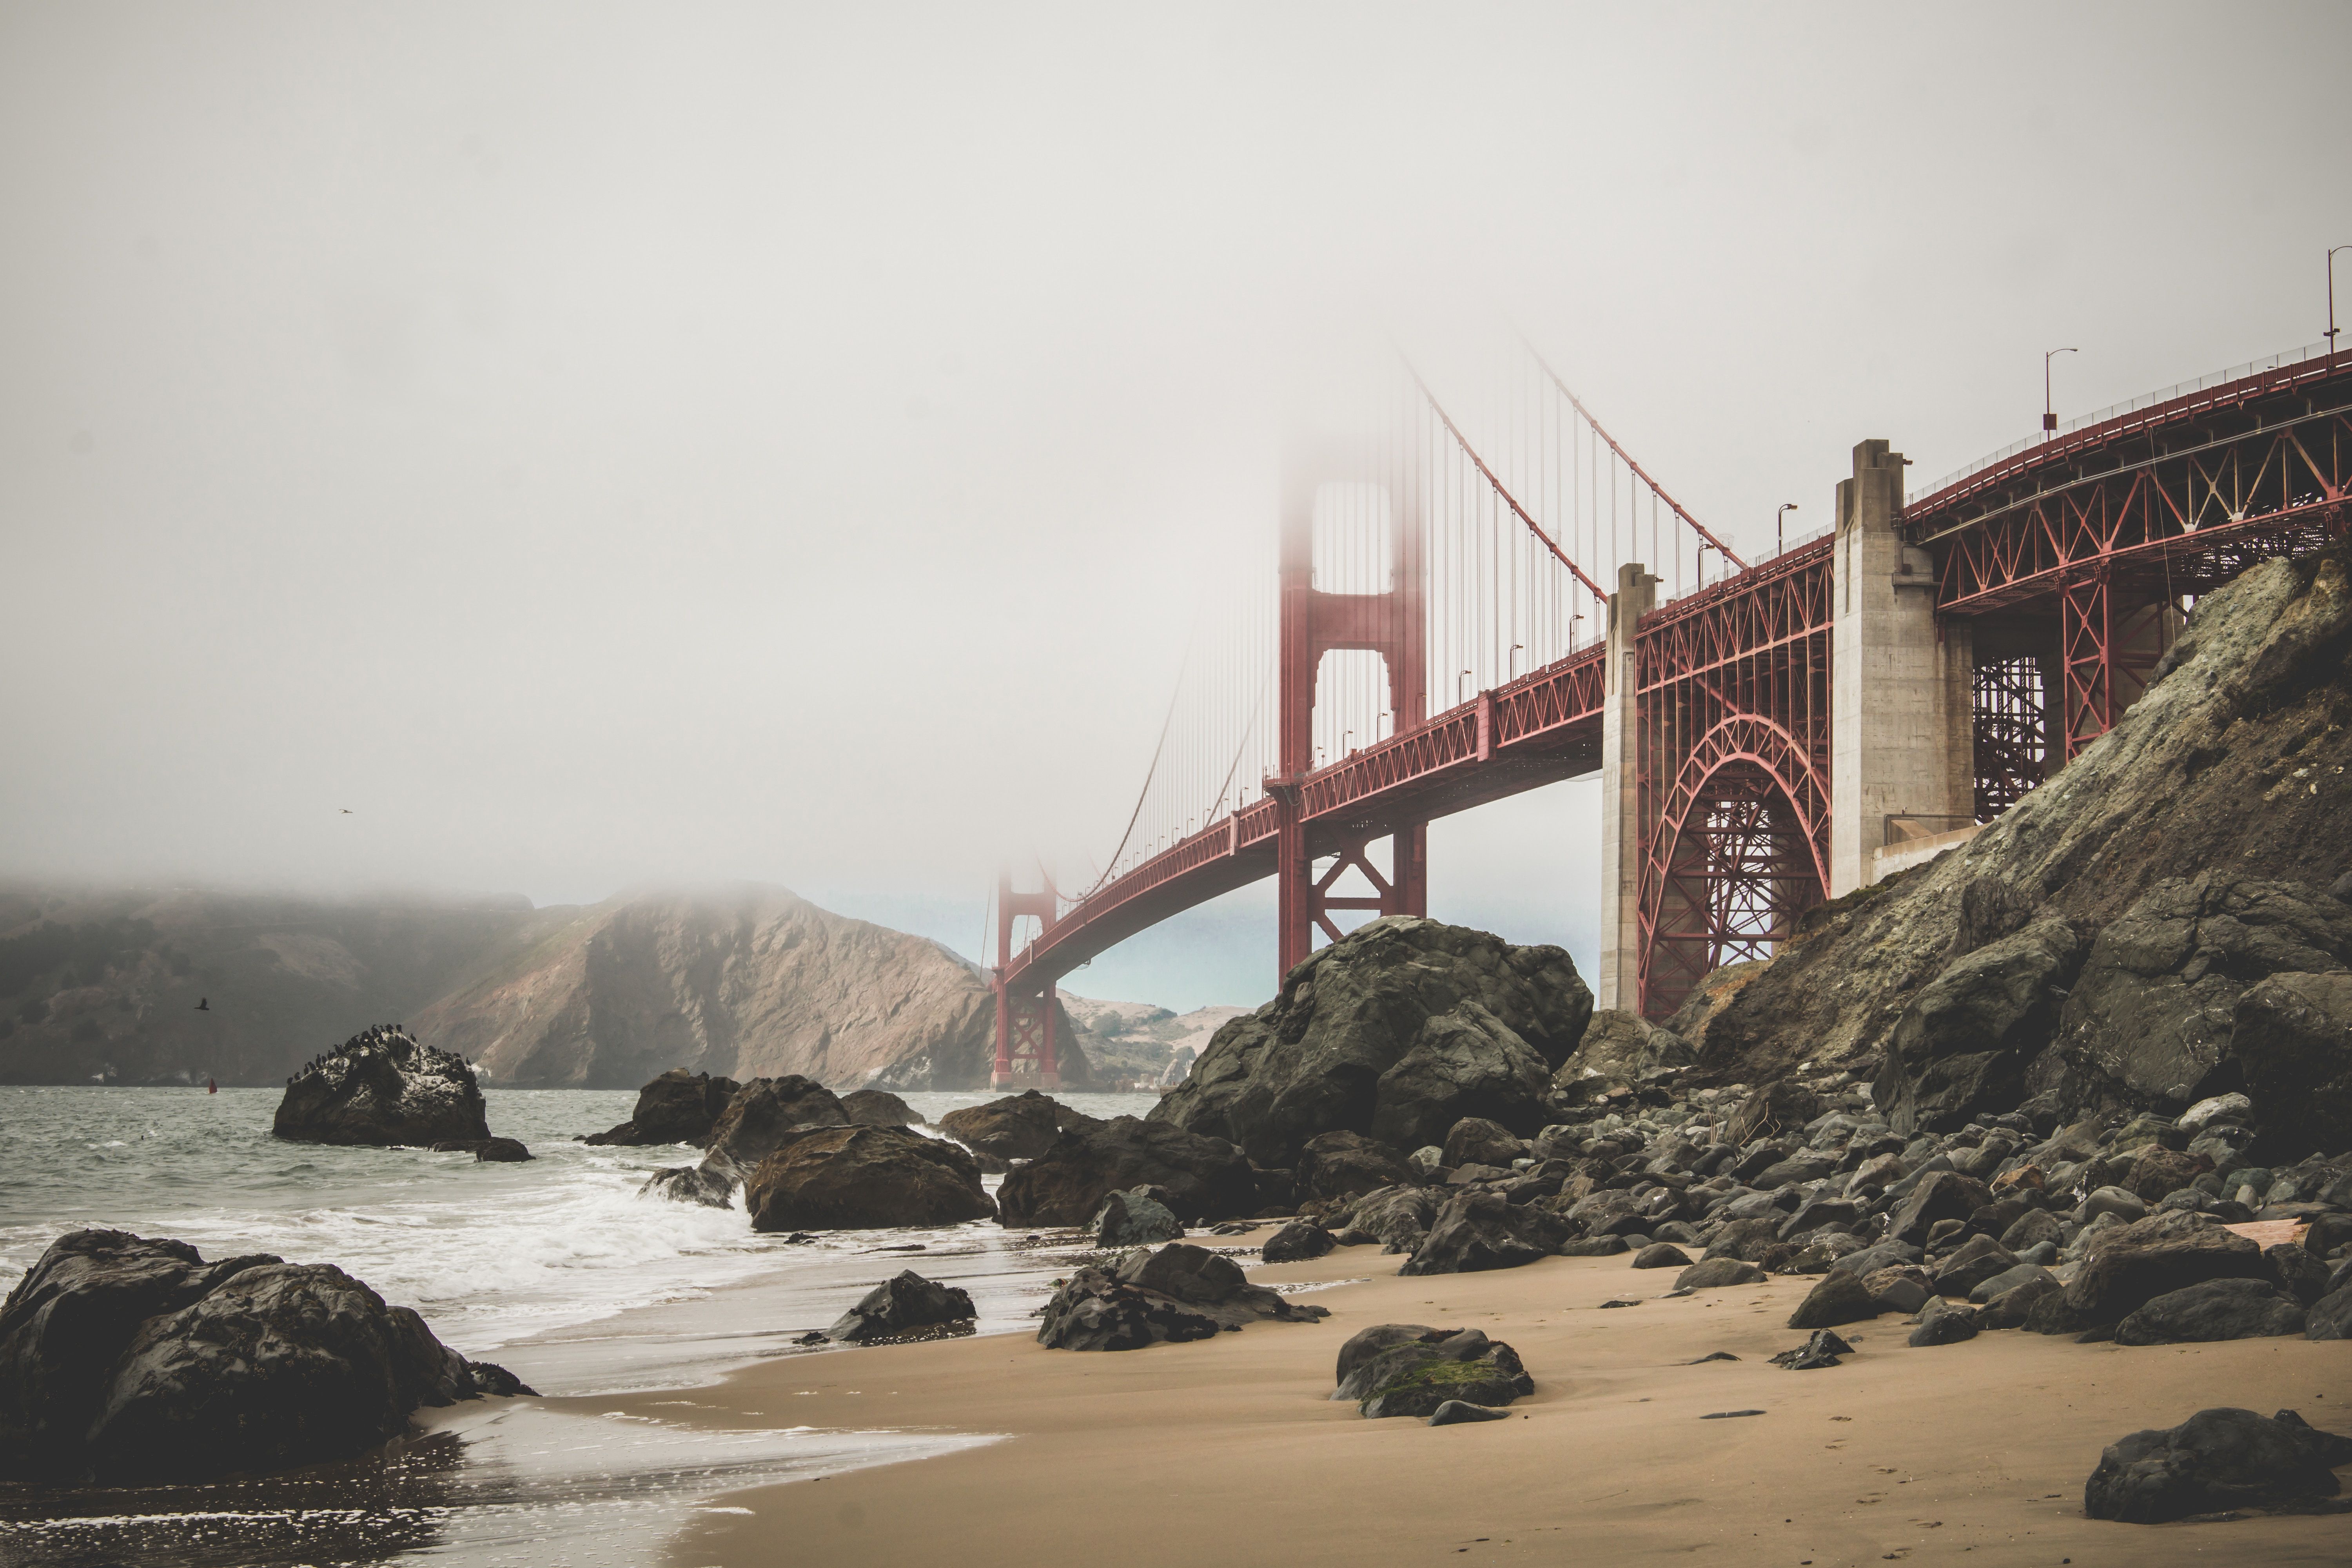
x: 857, y: 1178
x: 743, y: 980
x: 1333, y: 1165
x: 678, y: 1107
x: 1204, y: 1178
x: 2225, y: 769
x: 382, y: 1086
x: 2150, y: 1020
x: 1017, y: 1127
x: 904, y: 1304
x: 1180, y: 1292
x: 127, y: 1360
x: 1962, y: 1044
x: 2291, y: 1039
x: 1405, y: 1369
x: 879, y: 1107
x: 2216, y: 1461
x: 1397, y: 1031
x: 764, y: 1115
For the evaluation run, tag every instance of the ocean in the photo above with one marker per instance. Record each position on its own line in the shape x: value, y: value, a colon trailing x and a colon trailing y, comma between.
x: 554, y: 1268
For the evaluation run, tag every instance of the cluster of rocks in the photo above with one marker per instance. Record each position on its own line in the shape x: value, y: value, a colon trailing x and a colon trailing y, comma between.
x: 382, y: 1086
x: 129, y: 1361
x: 1176, y: 1293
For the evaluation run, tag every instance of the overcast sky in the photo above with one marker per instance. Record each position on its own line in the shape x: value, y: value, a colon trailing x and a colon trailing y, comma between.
x: 599, y: 444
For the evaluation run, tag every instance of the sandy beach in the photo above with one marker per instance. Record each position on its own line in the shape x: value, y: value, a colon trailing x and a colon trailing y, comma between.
x: 1231, y: 1448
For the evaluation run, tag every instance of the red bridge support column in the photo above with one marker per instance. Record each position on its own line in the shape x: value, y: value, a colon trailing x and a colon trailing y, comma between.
x: 1314, y: 623
x: 1026, y: 1046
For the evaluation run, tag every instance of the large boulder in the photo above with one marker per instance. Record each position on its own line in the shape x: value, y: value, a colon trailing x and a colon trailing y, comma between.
x: 1342, y: 1164
x: 1475, y: 1141
x: 1180, y: 1292
x: 1480, y: 1230
x: 678, y: 1107
x: 382, y: 1086
x: 1962, y: 1046
x: 2215, y: 1310
x: 1396, y: 1369
x: 1137, y: 1219
x: 1204, y: 1178
x: 879, y: 1107
x: 856, y: 1178
x: 1297, y: 1242
x: 767, y: 1113
x: 1398, y: 1030
x: 2134, y: 1264
x: 2151, y: 1017
x: 2291, y: 1037
x: 128, y: 1360
x: 1017, y: 1127
x: 1397, y: 1218
x: 1940, y: 1195
x: 2216, y: 1461
x: 902, y: 1304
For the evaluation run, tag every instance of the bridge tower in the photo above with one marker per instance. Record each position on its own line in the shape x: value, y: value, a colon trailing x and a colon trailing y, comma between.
x: 1025, y: 1047
x: 1314, y: 622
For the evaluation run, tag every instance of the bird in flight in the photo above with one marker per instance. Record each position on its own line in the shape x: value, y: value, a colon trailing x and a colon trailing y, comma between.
x: 204, y: 1003
x: 345, y: 810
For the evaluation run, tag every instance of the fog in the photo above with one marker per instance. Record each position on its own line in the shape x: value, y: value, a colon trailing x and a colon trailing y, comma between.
x: 558, y: 447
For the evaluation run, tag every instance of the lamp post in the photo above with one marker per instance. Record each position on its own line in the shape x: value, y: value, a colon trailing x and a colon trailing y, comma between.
x: 2331, y: 297
x: 2049, y: 410
x: 1780, y: 540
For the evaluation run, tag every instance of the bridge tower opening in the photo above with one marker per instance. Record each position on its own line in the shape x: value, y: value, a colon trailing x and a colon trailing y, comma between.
x: 1028, y: 1054
x: 1376, y: 608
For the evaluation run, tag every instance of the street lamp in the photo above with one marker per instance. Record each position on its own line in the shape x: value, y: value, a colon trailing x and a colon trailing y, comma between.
x: 1458, y: 694
x: 2331, y: 297
x: 2049, y: 413
x: 1515, y: 650
x: 1780, y: 541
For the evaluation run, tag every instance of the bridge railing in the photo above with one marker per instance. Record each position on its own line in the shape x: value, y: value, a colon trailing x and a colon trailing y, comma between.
x: 2173, y: 394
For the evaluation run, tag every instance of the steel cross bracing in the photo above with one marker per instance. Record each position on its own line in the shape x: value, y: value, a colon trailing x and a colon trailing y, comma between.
x: 2073, y: 559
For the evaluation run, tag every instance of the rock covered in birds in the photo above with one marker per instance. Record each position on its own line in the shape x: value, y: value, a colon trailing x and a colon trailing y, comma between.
x: 1397, y: 1031
x: 382, y: 1087
x: 903, y: 1304
x: 125, y: 1360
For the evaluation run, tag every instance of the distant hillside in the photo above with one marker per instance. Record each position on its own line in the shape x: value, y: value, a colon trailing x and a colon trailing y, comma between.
x: 103, y: 983
x: 745, y: 980
x: 1136, y: 1041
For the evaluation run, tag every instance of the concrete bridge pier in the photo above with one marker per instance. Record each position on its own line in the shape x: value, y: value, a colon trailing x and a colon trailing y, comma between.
x: 1901, y: 719
x: 1619, y: 981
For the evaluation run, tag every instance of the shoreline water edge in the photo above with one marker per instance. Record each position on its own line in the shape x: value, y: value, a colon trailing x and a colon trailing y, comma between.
x: 587, y: 1290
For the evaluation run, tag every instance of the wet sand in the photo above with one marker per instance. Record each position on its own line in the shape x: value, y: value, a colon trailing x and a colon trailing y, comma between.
x: 1229, y: 1450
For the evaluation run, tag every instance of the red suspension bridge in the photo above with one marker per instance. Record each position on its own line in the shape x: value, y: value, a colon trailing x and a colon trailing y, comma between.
x: 1446, y: 622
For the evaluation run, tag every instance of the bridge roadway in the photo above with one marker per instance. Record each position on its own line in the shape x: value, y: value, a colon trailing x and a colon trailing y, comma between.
x: 2180, y: 492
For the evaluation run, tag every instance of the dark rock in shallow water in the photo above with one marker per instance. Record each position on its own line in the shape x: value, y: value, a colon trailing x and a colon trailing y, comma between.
x: 2215, y: 1461
x: 381, y: 1087
x: 129, y: 1361
x: 1205, y: 1178
x: 1398, y: 1030
x: 900, y: 1305
x: 851, y: 1178
x: 494, y: 1150
x: 1478, y: 1230
x: 1180, y: 1292
x: 1017, y: 1127
x: 1295, y: 1242
x: 678, y: 1107
x: 879, y: 1107
x: 1139, y: 1217
x: 1344, y: 1164
x: 1406, y: 1373
x: 2215, y: 1310
x: 767, y: 1113
x: 703, y: 1184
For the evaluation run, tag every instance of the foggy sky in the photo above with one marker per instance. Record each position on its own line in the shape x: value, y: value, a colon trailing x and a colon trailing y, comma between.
x: 601, y: 445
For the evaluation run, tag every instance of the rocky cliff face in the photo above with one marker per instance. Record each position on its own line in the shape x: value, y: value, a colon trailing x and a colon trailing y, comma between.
x: 744, y: 980
x: 2178, y: 861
